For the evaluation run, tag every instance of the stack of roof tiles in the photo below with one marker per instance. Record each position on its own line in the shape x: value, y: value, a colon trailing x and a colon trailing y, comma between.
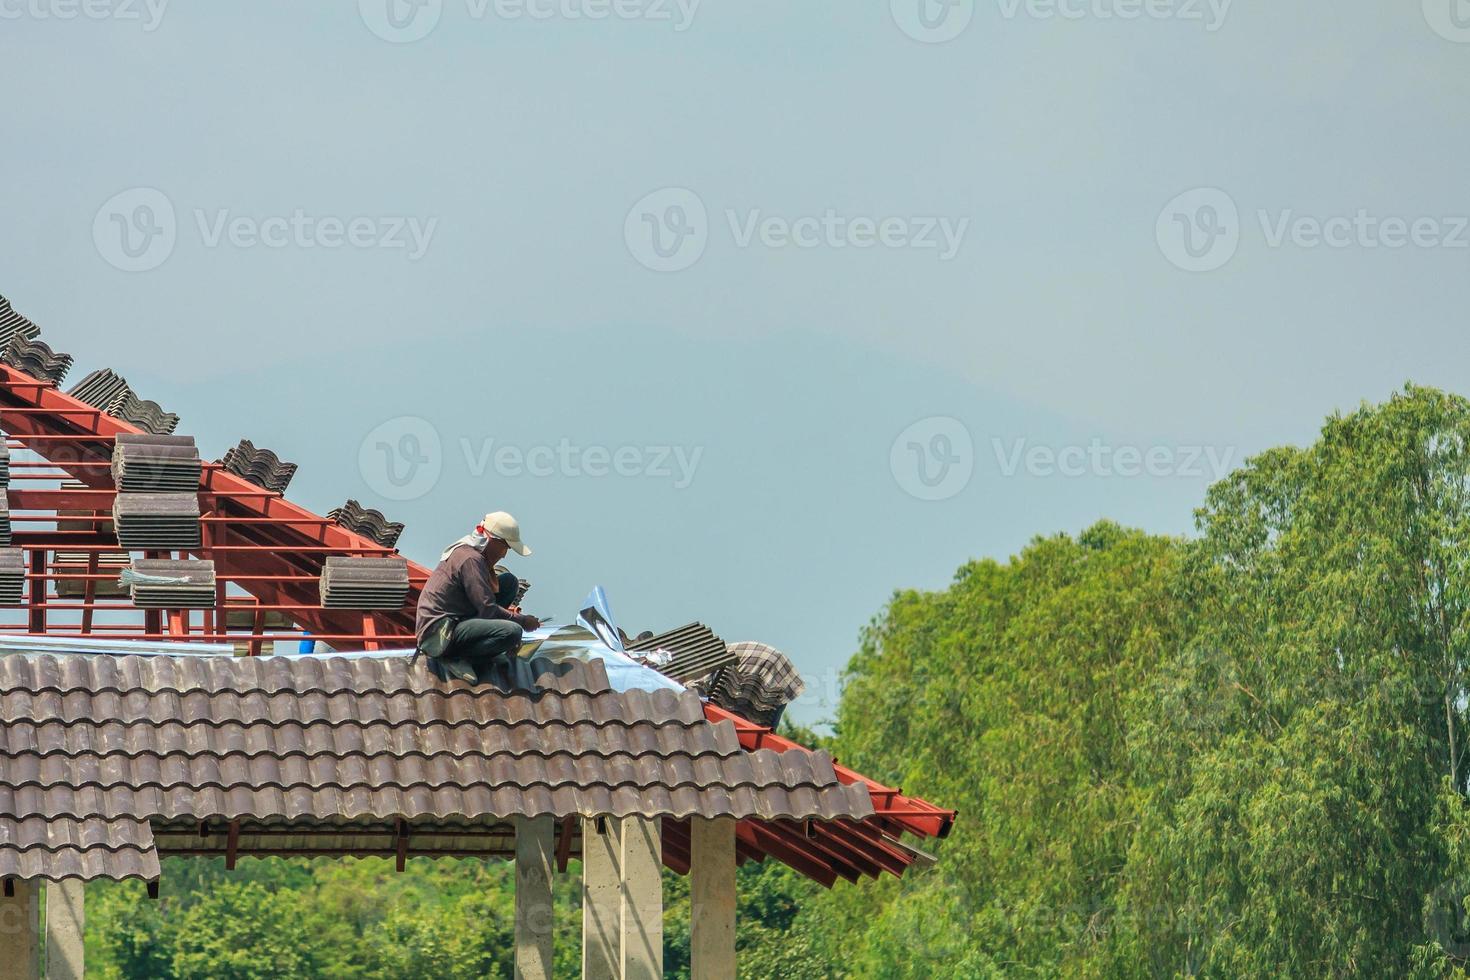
x: 100, y: 388
x: 5, y: 527
x: 757, y: 686
x: 143, y: 463
x: 696, y: 650
x: 156, y: 521
x: 109, y: 565
x: 260, y: 466
x: 364, y: 583
x: 76, y: 563
x: 12, y: 576
x: 13, y: 324
x: 366, y: 522
x: 146, y: 415
x: 110, y: 391
x: 36, y: 358
x: 161, y: 583
x: 100, y: 745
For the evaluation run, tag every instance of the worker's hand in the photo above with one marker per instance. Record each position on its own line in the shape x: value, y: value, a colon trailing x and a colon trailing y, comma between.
x: 530, y: 623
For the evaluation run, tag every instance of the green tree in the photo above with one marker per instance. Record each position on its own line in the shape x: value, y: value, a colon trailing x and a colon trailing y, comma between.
x: 1298, y: 745
x: 241, y: 931
x: 1006, y: 697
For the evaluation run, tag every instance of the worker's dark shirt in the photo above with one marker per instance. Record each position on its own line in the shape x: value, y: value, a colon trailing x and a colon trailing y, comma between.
x: 460, y: 587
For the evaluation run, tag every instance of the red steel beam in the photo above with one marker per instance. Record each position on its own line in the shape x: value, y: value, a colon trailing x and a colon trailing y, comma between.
x: 912, y: 814
x: 275, y: 542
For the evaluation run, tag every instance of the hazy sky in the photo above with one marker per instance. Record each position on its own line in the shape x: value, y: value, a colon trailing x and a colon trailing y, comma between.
x: 715, y: 296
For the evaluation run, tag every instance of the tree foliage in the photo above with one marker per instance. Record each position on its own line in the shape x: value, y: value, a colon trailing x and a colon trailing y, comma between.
x: 1240, y: 754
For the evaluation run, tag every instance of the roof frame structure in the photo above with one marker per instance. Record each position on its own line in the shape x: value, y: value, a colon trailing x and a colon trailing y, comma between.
x: 272, y: 550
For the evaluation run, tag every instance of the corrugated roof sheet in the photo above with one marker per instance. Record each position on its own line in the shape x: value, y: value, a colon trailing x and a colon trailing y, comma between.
x: 112, y: 738
x: 697, y: 651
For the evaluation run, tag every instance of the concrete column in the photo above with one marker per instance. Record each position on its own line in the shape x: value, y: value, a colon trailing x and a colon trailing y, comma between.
x: 65, y: 922
x: 642, y: 938
x: 712, y: 898
x: 601, y: 898
x: 535, y: 851
x: 20, y: 940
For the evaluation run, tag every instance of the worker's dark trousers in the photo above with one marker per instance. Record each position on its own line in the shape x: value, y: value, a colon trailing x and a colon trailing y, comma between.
x: 480, y: 641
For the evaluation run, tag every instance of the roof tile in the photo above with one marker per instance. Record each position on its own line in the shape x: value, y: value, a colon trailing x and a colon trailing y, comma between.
x: 112, y: 738
x: 67, y: 847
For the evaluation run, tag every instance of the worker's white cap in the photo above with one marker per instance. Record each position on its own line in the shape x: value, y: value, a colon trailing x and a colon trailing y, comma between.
x: 501, y: 525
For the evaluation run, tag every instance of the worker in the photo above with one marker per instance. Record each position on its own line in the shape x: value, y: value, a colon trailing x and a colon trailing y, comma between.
x: 466, y: 616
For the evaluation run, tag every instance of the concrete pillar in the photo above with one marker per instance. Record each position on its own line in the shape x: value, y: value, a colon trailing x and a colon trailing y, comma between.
x: 65, y: 922
x: 20, y: 941
x: 642, y: 932
x: 601, y: 898
x: 535, y: 851
x: 712, y: 898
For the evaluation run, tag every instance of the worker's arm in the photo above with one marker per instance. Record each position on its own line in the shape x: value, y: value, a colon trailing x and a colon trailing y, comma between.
x: 475, y: 577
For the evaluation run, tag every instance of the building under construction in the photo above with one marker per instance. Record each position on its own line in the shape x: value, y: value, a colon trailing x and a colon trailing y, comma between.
x: 143, y: 713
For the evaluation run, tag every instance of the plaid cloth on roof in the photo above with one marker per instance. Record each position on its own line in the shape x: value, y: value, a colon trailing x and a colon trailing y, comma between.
x: 760, y: 682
